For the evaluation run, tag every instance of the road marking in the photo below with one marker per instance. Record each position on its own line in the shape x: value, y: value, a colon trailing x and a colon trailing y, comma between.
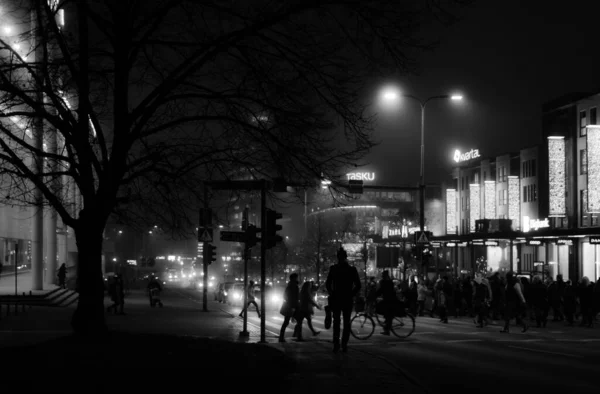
x: 546, y: 352
x: 590, y: 340
x: 464, y: 340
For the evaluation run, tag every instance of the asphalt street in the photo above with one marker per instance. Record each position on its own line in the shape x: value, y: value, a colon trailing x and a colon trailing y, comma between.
x: 441, y: 356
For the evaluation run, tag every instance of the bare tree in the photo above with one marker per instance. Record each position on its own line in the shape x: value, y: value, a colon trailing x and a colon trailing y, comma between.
x: 147, y: 99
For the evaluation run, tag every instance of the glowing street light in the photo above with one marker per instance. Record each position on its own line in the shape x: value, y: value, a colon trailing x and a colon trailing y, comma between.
x: 391, y: 95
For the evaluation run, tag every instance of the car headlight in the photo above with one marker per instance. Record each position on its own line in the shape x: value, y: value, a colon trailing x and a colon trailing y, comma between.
x: 236, y: 296
x: 275, y: 298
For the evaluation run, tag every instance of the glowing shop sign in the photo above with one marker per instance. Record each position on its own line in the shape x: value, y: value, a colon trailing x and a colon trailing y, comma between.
x: 594, y: 240
x: 451, y: 244
x: 361, y: 176
x: 534, y: 242
x: 593, y: 169
x: 491, y: 243
x: 557, y: 176
x: 534, y: 224
x: 460, y: 157
x: 564, y: 241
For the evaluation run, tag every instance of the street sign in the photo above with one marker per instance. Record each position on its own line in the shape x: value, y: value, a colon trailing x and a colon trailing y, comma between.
x: 233, y: 236
x: 422, y: 237
x: 206, y: 236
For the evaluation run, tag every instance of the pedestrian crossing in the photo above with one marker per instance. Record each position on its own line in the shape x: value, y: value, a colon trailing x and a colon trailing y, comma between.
x: 427, y: 330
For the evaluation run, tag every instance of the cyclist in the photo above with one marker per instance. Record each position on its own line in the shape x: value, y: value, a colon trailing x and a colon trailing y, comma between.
x: 388, y: 293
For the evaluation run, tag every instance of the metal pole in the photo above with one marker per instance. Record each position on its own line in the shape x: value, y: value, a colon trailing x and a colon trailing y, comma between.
x: 422, y: 182
x: 16, y: 262
x: 244, y: 332
x: 305, y: 213
x: 263, y: 254
x: 204, y: 251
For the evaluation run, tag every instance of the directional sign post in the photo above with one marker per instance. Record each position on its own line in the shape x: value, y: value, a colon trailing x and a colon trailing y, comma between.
x: 233, y: 236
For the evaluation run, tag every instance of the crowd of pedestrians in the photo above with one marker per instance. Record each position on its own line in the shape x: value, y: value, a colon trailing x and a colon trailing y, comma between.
x: 505, y: 298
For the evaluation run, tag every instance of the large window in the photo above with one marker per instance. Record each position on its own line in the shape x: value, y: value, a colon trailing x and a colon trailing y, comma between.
x: 582, y: 123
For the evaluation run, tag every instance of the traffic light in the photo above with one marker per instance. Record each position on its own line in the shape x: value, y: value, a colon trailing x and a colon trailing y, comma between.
x: 251, y: 239
x: 272, y: 227
x: 209, y: 254
x: 355, y: 186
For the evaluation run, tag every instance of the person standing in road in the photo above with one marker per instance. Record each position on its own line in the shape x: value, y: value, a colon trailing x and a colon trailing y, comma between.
x: 250, y: 300
x: 117, y: 293
x: 343, y: 284
x: 290, y: 305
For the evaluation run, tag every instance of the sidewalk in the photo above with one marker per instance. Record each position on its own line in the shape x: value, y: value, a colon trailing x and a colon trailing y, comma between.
x: 206, y: 341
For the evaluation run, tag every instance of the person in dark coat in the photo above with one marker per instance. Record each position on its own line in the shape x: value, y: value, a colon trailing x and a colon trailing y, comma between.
x: 586, y: 301
x: 538, y: 298
x: 62, y: 276
x: 343, y: 284
x: 514, y: 303
x: 307, y: 309
x: 290, y: 305
x: 569, y: 302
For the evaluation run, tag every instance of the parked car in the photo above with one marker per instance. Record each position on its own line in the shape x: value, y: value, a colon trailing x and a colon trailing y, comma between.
x: 222, y: 291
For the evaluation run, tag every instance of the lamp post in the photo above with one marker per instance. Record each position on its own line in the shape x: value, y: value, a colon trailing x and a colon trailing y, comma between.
x: 391, y: 95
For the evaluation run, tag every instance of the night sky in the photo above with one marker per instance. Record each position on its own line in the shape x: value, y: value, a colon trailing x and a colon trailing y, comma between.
x: 507, y: 58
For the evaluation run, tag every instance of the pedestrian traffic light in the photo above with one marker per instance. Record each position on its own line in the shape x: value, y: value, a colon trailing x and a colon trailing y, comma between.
x: 272, y: 237
x: 210, y: 254
x: 251, y: 239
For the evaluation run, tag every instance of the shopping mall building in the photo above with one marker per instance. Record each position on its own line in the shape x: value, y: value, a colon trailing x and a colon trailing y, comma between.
x: 532, y: 211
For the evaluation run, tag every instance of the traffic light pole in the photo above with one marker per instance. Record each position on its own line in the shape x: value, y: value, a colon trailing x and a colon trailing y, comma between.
x: 244, y: 333
x: 263, y: 255
x: 204, y: 262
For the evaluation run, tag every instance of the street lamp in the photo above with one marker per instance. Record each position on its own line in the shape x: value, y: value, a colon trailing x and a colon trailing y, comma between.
x: 391, y: 95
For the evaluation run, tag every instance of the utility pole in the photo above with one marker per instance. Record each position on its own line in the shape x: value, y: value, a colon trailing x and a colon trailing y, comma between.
x: 206, y: 218
x: 263, y: 254
x: 244, y: 333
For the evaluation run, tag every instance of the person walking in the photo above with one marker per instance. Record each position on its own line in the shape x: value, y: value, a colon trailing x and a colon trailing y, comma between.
x: 250, y: 299
x: 307, y: 305
x: 117, y: 293
x: 515, y: 303
x: 290, y: 305
x: 343, y: 284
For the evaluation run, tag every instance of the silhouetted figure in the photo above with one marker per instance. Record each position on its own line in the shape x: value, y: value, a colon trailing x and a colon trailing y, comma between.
x: 290, y: 305
x: 515, y: 304
x: 342, y: 284
x: 307, y: 305
x: 62, y: 276
x: 388, y: 304
x: 117, y: 294
x: 154, y: 289
x: 250, y: 299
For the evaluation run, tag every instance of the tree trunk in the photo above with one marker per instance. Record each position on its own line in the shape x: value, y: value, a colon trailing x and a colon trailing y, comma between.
x: 89, y: 318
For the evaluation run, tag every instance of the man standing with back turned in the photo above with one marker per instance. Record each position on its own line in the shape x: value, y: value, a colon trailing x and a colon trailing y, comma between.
x: 343, y: 284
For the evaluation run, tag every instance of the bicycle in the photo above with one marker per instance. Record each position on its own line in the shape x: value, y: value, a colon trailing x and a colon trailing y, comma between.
x: 362, y: 325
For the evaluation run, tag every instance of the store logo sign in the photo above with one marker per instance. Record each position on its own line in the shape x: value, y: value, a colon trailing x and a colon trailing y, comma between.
x: 361, y: 176
x: 460, y: 157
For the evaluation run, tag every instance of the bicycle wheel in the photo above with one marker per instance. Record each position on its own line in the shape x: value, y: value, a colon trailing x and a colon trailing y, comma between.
x: 404, y: 326
x: 362, y: 326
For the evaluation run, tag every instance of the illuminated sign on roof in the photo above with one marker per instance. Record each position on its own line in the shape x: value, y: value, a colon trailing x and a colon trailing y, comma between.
x: 460, y: 157
x: 361, y: 176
